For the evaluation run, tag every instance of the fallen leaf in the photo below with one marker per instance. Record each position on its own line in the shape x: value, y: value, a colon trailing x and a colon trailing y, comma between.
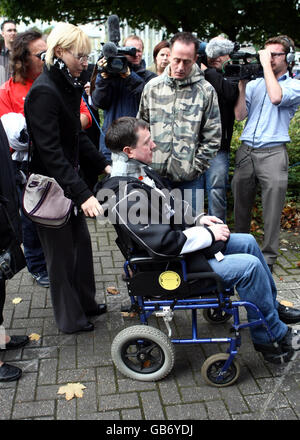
x: 298, y: 263
x: 286, y: 303
x: 129, y: 314
x: 112, y: 290
x: 71, y: 390
x: 284, y: 241
x: 34, y: 337
x: 16, y: 300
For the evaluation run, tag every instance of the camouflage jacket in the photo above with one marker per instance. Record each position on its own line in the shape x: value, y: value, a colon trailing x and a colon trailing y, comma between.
x: 184, y: 122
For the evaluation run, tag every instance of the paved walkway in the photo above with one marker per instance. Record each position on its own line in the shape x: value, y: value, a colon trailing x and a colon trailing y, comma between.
x: 263, y: 391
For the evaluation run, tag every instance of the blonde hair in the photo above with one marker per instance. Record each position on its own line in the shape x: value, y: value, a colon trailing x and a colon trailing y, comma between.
x: 67, y: 36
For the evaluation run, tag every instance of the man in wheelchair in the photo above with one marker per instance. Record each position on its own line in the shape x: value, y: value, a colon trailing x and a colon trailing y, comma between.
x: 163, y: 225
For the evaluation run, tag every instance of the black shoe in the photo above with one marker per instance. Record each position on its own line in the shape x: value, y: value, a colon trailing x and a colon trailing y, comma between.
x: 275, y: 353
x: 288, y: 315
x: 291, y: 340
x: 270, y: 267
x: 41, y: 278
x: 101, y: 308
x: 9, y: 373
x: 87, y: 328
x: 15, y: 342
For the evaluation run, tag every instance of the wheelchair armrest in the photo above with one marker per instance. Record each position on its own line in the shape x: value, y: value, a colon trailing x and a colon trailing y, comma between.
x: 146, y: 260
x: 204, y: 275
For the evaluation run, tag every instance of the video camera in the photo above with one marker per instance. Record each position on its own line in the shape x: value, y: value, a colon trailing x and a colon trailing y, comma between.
x: 202, y: 57
x: 116, y: 61
x: 242, y: 65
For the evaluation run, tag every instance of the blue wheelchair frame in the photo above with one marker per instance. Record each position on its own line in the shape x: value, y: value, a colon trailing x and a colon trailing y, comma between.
x: 221, y: 301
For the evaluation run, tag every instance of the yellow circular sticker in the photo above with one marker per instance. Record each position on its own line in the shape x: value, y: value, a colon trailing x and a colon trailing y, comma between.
x: 169, y: 280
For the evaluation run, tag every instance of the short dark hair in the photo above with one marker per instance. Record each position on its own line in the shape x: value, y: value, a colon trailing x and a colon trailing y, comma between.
x: 20, y: 52
x: 161, y: 45
x: 186, y: 38
x: 123, y: 132
x: 7, y: 21
x: 284, y: 40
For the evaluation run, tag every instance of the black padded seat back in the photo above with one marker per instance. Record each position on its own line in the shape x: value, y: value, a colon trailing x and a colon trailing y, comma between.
x: 165, y: 280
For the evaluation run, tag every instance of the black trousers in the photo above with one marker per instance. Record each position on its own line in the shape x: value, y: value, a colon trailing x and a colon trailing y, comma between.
x: 69, y: 259
x: 2, y: 300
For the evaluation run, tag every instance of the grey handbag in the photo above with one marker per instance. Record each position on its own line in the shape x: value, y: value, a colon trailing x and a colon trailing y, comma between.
x: 44, y: 201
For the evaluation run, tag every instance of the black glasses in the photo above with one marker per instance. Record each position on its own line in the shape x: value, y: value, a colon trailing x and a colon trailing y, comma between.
x: 40, y: 55
x: 278, y: 54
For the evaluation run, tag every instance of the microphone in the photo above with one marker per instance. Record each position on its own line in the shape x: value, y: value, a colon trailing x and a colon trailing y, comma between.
x: 113, y: 29
x: 109, y: 50
x: 218, y: 47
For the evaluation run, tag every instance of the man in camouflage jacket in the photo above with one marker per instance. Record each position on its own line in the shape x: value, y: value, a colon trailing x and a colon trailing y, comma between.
x: 182, y: 110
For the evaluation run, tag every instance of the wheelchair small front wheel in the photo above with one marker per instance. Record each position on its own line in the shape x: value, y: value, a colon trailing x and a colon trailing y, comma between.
x: 216, y: 316
x: 213, y: 365
x: 143, y: 353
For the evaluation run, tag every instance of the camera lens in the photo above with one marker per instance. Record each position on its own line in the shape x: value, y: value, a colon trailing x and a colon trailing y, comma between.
x: 116, y: 65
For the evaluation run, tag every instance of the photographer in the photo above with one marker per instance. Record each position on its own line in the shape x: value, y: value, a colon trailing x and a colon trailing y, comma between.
x: 119, y: 94
x: 269, y: 103
x: 215, y: 179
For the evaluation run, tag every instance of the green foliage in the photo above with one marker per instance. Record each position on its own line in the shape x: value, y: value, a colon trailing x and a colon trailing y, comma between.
x: 246, y: 20
x: 294, y: 158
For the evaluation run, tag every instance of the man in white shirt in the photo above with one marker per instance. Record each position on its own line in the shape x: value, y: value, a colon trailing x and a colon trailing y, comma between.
x: 262, y: 159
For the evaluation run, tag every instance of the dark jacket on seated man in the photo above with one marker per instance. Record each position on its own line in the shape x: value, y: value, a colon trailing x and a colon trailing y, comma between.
x: 143, y: 208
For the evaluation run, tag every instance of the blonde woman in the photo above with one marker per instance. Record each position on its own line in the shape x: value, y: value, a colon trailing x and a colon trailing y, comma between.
x: 60, y: 149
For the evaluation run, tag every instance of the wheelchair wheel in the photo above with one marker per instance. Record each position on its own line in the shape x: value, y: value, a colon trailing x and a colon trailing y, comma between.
x: 213, y: 365
x: 216, y: 316
x: 143, y: 353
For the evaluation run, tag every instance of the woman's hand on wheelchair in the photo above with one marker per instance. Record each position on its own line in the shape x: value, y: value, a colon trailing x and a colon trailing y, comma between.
x: 91, y: 207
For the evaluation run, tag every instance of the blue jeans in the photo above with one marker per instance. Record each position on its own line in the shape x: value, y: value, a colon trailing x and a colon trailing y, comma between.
x: 191, y: 193
x: 245, y: 268
x: 214, y: 181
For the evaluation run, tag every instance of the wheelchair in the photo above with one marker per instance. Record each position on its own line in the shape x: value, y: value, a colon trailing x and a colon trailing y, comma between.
x: 160, y: 287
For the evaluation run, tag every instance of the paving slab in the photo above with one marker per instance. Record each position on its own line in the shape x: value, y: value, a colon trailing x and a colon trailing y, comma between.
x: 262, y: 392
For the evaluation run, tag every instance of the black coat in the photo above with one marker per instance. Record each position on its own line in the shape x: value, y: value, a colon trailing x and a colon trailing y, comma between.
x: 8, y: 193
x: 228, y: 93
x: 59, y: 145
x: 119, y: 97
x: 161, y: 220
